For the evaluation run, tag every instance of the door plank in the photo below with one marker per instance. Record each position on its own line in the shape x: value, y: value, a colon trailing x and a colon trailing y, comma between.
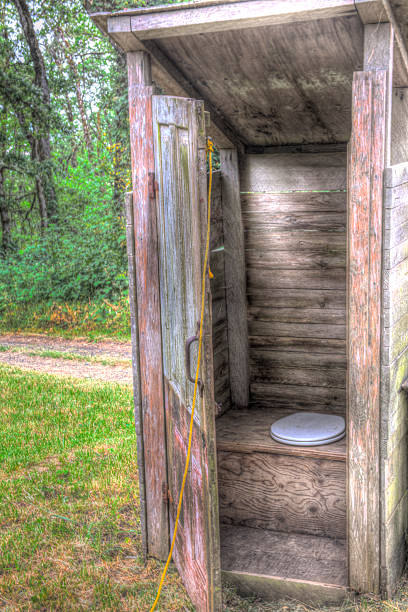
x: 148, y: 303
x: 179, y: 147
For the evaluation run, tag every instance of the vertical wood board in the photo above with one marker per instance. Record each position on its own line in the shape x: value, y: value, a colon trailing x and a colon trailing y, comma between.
x: 235, y: 279
x: 148, y: 302
x: 394, y: 402
x: 367, y: 151
x: 222, y: 393
x: 137, y: 400
x: 182, y: 222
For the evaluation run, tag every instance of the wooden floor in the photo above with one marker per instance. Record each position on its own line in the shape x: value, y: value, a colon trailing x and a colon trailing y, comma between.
x: 293, y: 556
x: 248, y: 431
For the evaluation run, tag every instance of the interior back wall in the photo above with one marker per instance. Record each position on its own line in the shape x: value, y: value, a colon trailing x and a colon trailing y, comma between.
x: 295, y: 222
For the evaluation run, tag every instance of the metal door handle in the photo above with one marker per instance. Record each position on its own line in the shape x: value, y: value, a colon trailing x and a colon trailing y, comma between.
x: 189, y: 342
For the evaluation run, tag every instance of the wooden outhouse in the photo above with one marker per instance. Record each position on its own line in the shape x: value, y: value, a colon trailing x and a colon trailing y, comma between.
x: 307, y: 104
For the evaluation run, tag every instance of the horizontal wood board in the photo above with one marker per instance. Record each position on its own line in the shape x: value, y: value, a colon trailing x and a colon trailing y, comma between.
x: 264, y: 552
x: 273, y: 83
x: 275, y: 588
x: 248, y: 431
x: 281, y: 493
x: 235, y: 16
x: 394, y: 370
x: 294, y: 212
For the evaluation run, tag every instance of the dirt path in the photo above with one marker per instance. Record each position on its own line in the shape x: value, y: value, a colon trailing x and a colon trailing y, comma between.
x: 15, y: 349
x: 106, y: 348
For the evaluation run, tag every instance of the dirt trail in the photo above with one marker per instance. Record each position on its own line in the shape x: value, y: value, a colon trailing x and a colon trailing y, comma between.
x: 19, y: 345
x: 106, y: 348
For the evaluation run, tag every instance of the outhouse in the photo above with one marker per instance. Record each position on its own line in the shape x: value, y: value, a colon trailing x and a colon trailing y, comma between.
x: 307, y: 104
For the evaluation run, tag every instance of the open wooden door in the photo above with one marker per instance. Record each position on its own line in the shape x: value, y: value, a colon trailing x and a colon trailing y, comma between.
x: 181, y: 183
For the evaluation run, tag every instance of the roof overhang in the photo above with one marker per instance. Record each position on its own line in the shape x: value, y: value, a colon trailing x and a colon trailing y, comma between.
x: 167, y: 32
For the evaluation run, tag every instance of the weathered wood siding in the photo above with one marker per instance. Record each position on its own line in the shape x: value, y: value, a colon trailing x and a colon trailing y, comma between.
x: 147, y: 298
x: 394, y: 421
x: 399, y: 131
x: 219, y: 304
x: 235, y: 279
x: 282, y: 493
x: 294, y: 210
x: 179, y: 146
x: 367, y: 155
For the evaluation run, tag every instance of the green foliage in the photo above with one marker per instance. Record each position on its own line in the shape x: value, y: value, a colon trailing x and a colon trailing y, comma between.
x: 83, y: 257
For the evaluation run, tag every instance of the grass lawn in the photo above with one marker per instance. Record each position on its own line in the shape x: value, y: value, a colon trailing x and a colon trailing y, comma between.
x: 69, y: 515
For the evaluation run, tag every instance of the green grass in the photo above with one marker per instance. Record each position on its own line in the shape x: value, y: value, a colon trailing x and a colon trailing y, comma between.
x: 69, y: 506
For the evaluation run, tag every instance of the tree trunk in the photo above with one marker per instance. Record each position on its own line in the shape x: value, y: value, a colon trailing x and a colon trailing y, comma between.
x: 4, y: 217
x: 44, y: 180
x: 120, y: 161
x: 80, y: 99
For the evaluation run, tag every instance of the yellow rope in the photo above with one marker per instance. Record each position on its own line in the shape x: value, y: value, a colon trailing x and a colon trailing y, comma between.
x: 210, y: 148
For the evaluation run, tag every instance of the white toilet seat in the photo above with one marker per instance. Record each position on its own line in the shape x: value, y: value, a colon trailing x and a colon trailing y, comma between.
x: 308, y: 429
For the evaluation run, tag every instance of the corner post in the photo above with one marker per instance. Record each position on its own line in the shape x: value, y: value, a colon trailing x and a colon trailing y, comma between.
x: 235, y: 278
x: 134, y: 328
x: 368, y: 155
x: 148, y: 303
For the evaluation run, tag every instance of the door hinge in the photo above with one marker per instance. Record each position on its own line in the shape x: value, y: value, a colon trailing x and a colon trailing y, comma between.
x: 152, y: 185
x: 166, y: 493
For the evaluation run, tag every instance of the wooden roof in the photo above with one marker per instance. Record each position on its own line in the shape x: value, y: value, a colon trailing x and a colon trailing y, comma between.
x: 271, y: 72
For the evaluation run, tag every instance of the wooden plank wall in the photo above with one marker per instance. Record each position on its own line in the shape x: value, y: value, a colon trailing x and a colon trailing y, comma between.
x: 148, y: 302
x: 394, y: 369
x: 219, y: 304
x: 294, y: 210
x: 399, y: 129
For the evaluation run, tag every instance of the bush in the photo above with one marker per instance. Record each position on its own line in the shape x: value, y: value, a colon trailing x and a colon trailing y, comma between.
x: 82, y: 258
x: 100, y: 318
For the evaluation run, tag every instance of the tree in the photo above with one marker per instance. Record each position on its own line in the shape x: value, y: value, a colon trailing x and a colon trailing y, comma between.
x: 40, y: 139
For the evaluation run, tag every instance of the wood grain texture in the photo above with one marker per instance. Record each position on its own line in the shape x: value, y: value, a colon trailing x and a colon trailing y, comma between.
x: 306, y: 64
x: 295, y: 249
x: 394, y: 534
x: 290, y: 368
x: 279, y: 174
x: 179, y: 136
x: 222, y: 392
x: 248, y: 431
x: 148, y: 303
x: 399, y: 129
x: 165, y: 73
x: 235, y: 279
x: 366, y: 164
x: 270, y: 553
x: 274, y: 588
x: 191, y: 550
x: 394, y: 357
x: 298, y: 397
x: 137, y: 397
x: 281, y: 493
x: 200, y: 20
